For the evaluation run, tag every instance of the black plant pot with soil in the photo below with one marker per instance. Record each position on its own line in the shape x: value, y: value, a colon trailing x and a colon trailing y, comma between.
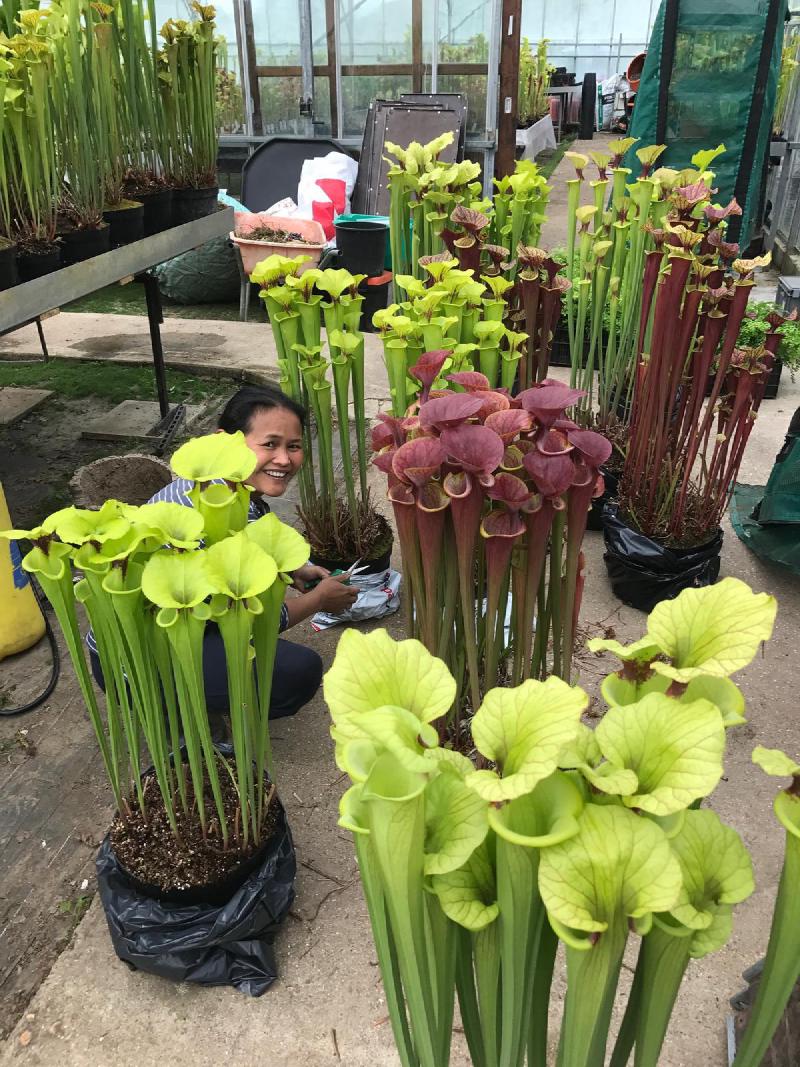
x: 126, y: 222
x: 80, y: 244
x: 158, y: 208
x: 218, y: 933
x: 9, y: 275
x: 37, y: 262
x: 609, y: 494
x: 188, y: 204
x: 644, y: 571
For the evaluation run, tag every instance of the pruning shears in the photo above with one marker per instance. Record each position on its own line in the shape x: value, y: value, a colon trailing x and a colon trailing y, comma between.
x: 353, y: 571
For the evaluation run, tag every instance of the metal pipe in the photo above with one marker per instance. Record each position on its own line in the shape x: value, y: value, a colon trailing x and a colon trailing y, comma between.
x: 244, y: 59
x: 307, y: 63
x: 492, y: 86
x: 337, y: 37
x: 435, y: 49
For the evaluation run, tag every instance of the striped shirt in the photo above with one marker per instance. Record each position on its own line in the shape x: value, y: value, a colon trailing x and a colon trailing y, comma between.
x: 177, y: 492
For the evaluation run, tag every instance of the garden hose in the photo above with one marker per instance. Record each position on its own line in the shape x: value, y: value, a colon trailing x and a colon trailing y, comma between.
x: 56, y: 668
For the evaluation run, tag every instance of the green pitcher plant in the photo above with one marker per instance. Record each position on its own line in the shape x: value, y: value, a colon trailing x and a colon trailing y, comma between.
x: 328, y: 385
x: 480, y: 856
x: 619, y: 235
x: 151, y: 579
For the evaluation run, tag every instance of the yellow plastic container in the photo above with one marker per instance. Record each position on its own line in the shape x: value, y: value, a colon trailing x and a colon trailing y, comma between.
x: 21, y: 621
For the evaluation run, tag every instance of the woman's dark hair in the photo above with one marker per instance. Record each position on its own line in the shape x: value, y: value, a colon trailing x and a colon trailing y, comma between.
x: 238, y: 412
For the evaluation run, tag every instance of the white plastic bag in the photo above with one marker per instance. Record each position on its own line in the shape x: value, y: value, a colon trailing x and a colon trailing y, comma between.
x: 378, y: 596
x: 326, y: 185
x: 538, y: 137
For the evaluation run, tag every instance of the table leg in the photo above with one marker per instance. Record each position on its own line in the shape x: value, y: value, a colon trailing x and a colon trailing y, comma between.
x: 155, y: 317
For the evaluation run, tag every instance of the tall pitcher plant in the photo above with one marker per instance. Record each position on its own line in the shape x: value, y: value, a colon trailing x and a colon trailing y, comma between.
x: 151, y: 579
x: 328, y: 385
x: 617, y: 240
x: 31, y: 164
x: 590, y: 838
x: 491, y: 497
x: 187, y: 80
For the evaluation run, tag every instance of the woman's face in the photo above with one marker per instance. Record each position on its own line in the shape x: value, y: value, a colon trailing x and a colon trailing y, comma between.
x: 276, y: 437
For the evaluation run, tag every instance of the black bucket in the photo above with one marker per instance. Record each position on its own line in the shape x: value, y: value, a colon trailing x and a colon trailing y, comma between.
x: 362, y: 246
x: 32, y: 265
x: 9, y: 276
x: 157, y: 210
x: 81, y: 244
x: 376, y: 298
x: 188, y: 205
x: 127, y: 224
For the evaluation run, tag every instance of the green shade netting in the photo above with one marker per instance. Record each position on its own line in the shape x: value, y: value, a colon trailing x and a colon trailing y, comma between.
x: 712, y: 89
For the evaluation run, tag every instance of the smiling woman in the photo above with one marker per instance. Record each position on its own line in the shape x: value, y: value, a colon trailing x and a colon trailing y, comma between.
x: 272, y: 424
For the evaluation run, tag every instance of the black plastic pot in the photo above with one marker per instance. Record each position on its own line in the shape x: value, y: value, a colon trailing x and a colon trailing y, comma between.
x: 191, y: 204
x: 773, y: 381
x: 158, y: 210
x: 9, y: 276
x: 372, y: 566
x: 559, y: 350
x: 376, y: 297
x: 32, y: 265
x: 362, y: 246
x: 644, y: 572
x: 127, y: 224
x: 81, y: 244
x: 611, y: 479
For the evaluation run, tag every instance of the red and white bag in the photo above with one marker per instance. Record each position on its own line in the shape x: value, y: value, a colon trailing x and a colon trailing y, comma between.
x: 326, y: 185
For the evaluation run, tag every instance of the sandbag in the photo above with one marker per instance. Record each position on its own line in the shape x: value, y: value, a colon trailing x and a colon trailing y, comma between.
x: 644, y: 572
x: 210, y: 944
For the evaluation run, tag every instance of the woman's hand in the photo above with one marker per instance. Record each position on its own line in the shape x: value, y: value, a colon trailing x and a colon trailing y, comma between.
x: 333, y: 595
x: 307, y: 574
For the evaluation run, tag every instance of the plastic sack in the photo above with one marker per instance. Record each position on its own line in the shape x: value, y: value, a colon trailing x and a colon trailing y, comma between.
x: 537, y: 137
x: 205, y: 275
x: 326, y: 185
x: 378, y: 596
x: 208, y: 944
x: 609, y: 90
x: 644, y: 572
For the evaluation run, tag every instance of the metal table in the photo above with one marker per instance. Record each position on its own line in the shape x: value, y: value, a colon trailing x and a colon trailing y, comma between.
x: 563, y: 92
x: 26, y: 303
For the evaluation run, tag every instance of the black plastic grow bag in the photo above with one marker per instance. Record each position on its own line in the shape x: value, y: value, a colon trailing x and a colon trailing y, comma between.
x: 644, y: 572
x: 211, y: 943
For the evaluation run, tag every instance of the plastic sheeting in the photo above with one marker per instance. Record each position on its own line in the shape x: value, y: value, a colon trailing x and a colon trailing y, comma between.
x: 644, y: 572
x: 208, y: 944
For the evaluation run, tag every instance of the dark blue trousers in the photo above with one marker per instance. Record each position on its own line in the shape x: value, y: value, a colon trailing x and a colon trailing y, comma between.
x: 296, y: 678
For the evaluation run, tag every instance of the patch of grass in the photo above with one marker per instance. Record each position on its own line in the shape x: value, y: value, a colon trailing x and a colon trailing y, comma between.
x: 549, y: 160
x: 129, y: 300
x: 113, y: 382
x: 75, y: 907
